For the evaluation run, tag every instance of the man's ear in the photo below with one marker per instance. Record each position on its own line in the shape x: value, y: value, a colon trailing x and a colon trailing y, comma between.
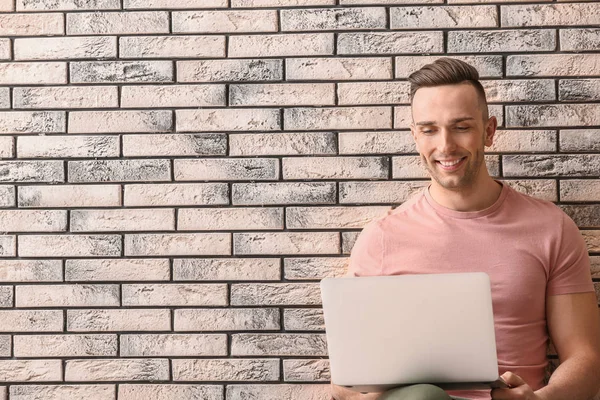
x: 490, y: 131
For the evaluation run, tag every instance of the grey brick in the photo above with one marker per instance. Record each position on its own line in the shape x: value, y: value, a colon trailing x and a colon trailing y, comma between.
x: 227, y: 169
x: 178, y: 244
x: 501, y: 41
x: 161, y: 345
x: 279, y: 392
x: 579, y: 90
x: 229, y: 70
x: 226, y: 370
x: 22, y: 122
x: 550, y: 14
x: 314, y: 267
x: 303, y: 319
x: 65, y: 5
x: 31, y: 271
x: 270, y: 294
x: 236, y: 319
x: 70, y: 246
x: 327, y: 118
x: 262, y: 344
x: 553, y: 115
x: 585, y: 216
x: 119, y: 171
x: 32, y: 171
x: 348, y: 240
x: 579, y: 39
x: 306, y: 370
x: 67, y: 146
x: 390, y: 43
x: 519, y: 90
x: 551, y: 165
x: 443, y: 17
x: 7, y: 196
x: 226, y: 269
x: 584, y: 190
x: 62, y: 392
x: 283, y: 193
x: 553, y: 65
x: 121, y: 71
x: 200, y: 144
x: 580, y: 140
x: 212, y: 120
x: 5, y: 349
x: 333, y: 19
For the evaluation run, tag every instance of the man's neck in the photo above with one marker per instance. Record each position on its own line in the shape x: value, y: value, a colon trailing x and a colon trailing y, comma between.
x: 474, y: 198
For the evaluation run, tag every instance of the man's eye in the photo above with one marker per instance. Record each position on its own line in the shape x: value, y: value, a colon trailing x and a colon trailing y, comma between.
x: 427, y: 131
x: 462, y: 128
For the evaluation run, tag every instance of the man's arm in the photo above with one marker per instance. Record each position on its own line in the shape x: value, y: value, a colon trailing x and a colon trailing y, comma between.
x: 574, y: 327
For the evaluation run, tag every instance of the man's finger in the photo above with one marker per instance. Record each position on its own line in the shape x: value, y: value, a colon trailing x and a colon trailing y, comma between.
x: 512, y: 379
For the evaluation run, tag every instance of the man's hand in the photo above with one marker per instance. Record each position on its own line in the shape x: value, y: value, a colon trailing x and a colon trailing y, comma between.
x: 341, y: 393
x: 519, y: 389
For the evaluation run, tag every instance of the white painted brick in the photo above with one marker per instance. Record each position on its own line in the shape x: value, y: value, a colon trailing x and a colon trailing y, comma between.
x: 179, y: 194
x: 66, y: 5
x: 178, y: 244
x: 545, y: 189
x: 7, y: 147
x: 519, y: 90
x: 30, y: 370
x: 117, y: 270
x: 33, y: 73
x: 314, y: 267
x: 580, y: 190
x: 150, y: 96
x: 579, y: 90
x: 184, y: 294
x: 443, y: 17
x: 7, y: 196
x: 66, y: 97
x: 122, y: 220
x: 502, y: 41
x: 67, y: 295
x: 553, y: 115
x: 302, y: 44
x: 275, y: 294
x: 226, y: 370
x: 279, y: 392
x: 282, y: 94
x: 336, y: 168
x: 580, y: 140
x: 390, y: 43
x: 284, y: 193
x: 121, y: 71
x: 199, y: 144
x: 376, y: 142
x: 227, y: 169
x: 173, y: 345
x: 237, y: 319
x: 348, y: 240
x: 7, y: 5
x: 33, y: 220
x: 224, y: 21
x: 31, y: 271
x: 8, y: 245
x: 120, y: 121
x: 279, y: 3
x: 345, y: 68
x: 563, y: 165
x: 524, y: 141
x: 268, y: 144
x: 226, y: 269
x: 29, y: 122
x: 228, y: 120
x: 15, y: 321
x: 5, y: 49
x: 170, y: 392
x: 62, y: 392
x: 303, y: 319
x: 118, y: 320
x: 286, y: 243
x: 579, y: 39
x: 229, y: 70
x: 306, y: 370
x: 70, y: 245
x: 570, y: 14
x: 171, y: 46
x: 32, y: 24
x: 65, y: 345
x: 333, y: 19
x: 332, y: 217
x: 374, y: 93
x: 5, y: 351
x: 208, y: 219
x: 67, y: 146
x: 287, y: 344
x: 65, y: 48
x: 117, y: 370
x: 487, y: 66
x: 119, y: 170
x: 175, y: 4
x: 553, y: 65
x: 117, y: 23
x: 337, y: 118
x: 70, y: 196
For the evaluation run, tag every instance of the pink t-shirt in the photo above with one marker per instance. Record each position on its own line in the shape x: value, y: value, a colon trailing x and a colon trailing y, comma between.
x: 529, y: 248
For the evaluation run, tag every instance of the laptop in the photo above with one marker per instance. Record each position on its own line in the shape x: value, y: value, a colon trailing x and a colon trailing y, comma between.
x: 389, y: 331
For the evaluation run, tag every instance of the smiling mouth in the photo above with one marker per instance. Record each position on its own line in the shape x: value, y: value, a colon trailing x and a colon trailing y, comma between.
x: 451, y: 165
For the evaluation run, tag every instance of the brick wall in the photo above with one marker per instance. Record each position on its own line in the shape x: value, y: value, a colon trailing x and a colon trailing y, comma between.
x: 177, y: 175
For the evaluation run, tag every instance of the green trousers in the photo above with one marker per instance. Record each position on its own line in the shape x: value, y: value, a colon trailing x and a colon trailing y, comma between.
x: 417, y: 392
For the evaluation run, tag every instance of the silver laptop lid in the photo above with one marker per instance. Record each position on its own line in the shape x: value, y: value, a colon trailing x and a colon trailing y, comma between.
x: 386, y: 331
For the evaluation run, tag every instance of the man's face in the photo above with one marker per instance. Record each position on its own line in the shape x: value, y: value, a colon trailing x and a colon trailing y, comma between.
x: 450, y: 133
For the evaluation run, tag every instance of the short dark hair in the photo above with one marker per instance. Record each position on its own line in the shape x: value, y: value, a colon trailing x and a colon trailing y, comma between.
x: 447, y: 71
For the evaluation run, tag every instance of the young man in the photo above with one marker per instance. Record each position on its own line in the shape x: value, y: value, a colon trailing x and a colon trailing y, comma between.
x: 465, y: 221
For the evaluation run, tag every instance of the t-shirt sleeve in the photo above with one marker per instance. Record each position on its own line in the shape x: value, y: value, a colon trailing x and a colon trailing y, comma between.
x: 570, y: 272
x: 366, y: 257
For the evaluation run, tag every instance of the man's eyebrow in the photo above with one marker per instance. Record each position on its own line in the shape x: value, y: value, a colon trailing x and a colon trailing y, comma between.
x: 453, y: 121
x: 422, y: 123
x: 457, y: 120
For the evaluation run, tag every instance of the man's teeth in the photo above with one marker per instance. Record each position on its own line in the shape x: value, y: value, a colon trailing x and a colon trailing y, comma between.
x: 450, y: 163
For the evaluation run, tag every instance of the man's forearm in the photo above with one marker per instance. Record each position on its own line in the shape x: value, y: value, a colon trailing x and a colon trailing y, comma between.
x: 575, y: 379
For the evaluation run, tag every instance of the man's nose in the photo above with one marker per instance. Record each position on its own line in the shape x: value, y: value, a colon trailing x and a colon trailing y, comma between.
x: 446, y: 144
